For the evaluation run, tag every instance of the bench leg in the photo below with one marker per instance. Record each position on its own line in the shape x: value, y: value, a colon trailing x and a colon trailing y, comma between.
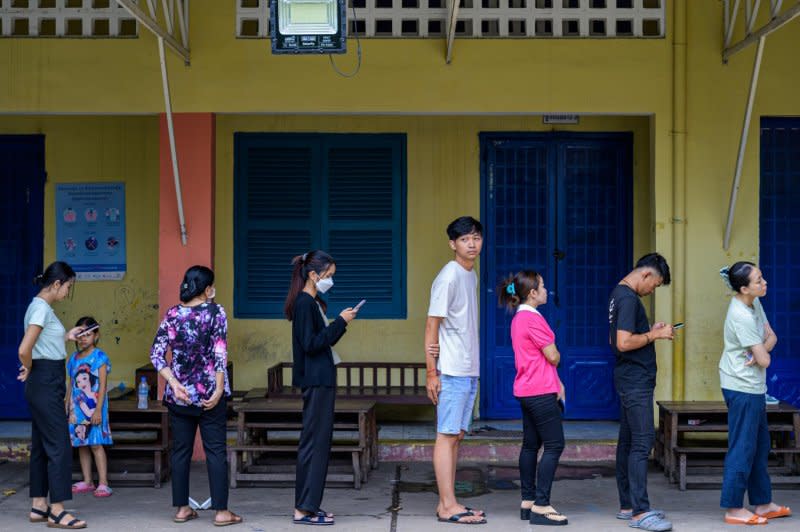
x: 682, y: 460
x: 356, y: 470
x: 157, y: 469
x: 234, y: 469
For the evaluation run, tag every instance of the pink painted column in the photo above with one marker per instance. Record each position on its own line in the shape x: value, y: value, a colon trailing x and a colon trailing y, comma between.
x: 195, y: 145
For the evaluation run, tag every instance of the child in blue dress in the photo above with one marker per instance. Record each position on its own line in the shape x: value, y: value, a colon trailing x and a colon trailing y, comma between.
x: 88, y: 369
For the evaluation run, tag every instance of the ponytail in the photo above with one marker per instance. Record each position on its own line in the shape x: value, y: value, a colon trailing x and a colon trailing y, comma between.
x: 515, y: 289
x: 57, y: 271
x: 314, y: 261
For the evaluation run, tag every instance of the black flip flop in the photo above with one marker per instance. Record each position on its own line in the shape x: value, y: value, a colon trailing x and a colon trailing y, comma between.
x: 543, y: 519
x: 456, y: 519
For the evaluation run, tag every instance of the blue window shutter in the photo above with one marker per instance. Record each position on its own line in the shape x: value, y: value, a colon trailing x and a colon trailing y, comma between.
x: 365, y: 212
x: 274, y: 218
x: 344, y: 193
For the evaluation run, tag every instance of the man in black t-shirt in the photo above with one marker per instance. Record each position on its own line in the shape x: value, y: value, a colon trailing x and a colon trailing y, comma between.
x: 631, y: 337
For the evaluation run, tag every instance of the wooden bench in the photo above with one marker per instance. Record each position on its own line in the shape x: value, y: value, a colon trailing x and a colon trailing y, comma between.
x: 141, y: 444
x: 392, y: 383
x: 262, y: 426
x: 694, y: 431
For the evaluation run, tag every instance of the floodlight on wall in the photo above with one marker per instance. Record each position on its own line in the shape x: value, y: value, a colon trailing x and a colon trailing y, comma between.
x: 308, y: 26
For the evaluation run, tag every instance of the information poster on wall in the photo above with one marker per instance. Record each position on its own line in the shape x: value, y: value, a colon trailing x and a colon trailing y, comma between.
x: 90, y: 229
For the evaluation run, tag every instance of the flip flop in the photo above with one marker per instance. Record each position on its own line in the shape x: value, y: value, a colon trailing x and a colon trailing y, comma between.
x: 545, y: 519
x: 476, y: 512
x: 186, y: 519
x: 783, y: 511
x: 103, y: 491
x: 652, y: 522
x: 457, y: 519
x: 235, y: 520
x: 312, y: 519
x: 752, y: 520
x: 43, y: 513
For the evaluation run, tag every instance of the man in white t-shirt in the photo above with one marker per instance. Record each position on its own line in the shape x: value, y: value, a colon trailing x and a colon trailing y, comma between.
x: 453, y: 363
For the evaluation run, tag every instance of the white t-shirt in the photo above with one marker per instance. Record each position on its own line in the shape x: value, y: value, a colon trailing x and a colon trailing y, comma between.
x: 744, y: 328
x: 454, y: 297
x: 50, y: 344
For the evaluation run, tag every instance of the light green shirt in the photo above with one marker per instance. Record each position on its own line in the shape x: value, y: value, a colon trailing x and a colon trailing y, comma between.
x: 50, y: 344
x: 744, y: 328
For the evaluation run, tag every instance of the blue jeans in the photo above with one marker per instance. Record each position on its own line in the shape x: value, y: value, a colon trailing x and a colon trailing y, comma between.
x: 748, y: 451
x: 637, y: 432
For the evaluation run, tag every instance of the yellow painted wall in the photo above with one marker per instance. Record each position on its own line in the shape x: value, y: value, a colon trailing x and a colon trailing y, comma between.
x: 443, y: 183
x: 98, y: 149
x: 255, y: 91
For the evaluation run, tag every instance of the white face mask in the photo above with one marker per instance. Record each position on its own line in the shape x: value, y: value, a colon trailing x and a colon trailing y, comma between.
x: 213, y: 294
x: 323, y: 285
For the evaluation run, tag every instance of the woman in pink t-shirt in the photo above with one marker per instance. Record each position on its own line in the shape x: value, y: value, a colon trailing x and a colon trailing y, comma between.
x: 540, y: 393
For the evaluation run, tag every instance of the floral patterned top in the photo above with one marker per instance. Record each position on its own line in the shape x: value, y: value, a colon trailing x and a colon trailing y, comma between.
x: 199, y: 349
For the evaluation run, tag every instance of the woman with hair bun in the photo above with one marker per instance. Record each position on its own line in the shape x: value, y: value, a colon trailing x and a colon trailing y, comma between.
x: 197, y: 390
x: 42, y: 356
x: 314, y: 372
x: 749, y: 340
x: 540, y: 393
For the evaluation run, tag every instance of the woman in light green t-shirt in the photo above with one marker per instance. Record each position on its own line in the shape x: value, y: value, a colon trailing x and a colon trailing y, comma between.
x: 749, y: 339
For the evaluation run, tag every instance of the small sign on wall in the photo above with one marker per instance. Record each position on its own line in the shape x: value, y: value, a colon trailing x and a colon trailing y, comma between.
x: 560, y: 118
x: 90, y: 229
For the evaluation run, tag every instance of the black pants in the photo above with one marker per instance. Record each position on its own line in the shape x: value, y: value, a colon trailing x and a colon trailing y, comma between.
x: 51, y: 451
x: 314, y: 449
x: 213, y: 431
x: 541, y: 425
x: 637, y: 433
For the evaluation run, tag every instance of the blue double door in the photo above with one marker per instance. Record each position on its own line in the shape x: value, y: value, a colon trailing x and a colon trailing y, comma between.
x: 559, y: 204
x: 21, y: 240
x: 780, y: 250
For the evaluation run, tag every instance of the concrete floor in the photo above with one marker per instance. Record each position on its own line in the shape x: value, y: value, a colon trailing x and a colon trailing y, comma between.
x: 586, y: 496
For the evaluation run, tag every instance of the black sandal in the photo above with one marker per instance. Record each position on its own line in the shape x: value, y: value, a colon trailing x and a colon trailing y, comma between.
x: 43, y: 513
x: 545, y: 519
x: 72, y: 525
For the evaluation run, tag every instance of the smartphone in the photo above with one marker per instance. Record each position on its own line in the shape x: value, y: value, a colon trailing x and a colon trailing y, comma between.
x: 360, y: 304
x: 678, y: 325
x: 90, y: 329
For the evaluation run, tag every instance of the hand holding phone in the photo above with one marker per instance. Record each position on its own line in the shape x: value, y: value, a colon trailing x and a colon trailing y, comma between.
x: 360, y: 304
x: 679, y: 325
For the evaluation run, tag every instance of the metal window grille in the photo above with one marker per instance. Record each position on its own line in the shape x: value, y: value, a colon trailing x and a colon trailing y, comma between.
x: 595, y: 19
x: 66, y: 18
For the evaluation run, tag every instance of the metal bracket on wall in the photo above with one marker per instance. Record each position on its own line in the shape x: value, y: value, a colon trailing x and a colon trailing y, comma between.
x: 171, y: 9
x: 777, y: 19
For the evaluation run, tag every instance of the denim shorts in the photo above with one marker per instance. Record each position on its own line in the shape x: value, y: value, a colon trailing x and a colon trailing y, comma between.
x: 456, y: 400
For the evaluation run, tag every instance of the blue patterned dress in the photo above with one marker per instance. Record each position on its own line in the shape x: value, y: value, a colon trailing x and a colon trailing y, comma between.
x: 198, y: 339
x: 85, y: 376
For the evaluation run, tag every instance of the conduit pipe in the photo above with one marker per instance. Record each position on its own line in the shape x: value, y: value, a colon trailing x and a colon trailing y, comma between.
x: 679, y: 110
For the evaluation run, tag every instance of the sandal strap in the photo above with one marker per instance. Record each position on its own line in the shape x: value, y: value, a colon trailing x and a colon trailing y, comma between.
x: 43, y: 513
x: 57, y: 519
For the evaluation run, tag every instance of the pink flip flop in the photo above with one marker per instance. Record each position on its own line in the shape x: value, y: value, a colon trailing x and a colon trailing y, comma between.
x: 82, y: 487
x: 102, y: 491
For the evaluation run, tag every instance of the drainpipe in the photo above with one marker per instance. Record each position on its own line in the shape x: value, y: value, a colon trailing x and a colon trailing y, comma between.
x: 679, y: 106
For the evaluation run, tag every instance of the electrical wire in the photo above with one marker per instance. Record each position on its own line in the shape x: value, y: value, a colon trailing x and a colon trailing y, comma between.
x: 358, y: 52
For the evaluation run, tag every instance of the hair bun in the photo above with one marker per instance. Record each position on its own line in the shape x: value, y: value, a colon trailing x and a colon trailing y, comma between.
x: 724, y: 272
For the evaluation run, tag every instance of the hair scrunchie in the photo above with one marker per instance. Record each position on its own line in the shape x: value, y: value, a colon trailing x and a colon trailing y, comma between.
x: 510, y: 289
x: 724, y: 273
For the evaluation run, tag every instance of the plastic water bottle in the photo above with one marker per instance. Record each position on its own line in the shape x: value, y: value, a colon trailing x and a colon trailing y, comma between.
x: 144, y: 390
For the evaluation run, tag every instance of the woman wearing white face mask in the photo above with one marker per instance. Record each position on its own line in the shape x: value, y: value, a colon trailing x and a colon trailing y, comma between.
x: 314, y: 373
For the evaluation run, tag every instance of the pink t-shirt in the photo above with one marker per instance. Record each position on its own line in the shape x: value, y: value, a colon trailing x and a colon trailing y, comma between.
x: 529, y: 334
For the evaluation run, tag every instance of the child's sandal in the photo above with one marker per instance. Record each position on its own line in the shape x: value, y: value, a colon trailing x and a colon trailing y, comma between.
x: 103, y: 491
x: 82, y: 487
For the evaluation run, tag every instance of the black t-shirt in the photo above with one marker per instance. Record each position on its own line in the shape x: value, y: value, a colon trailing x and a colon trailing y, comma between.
x: 634, y: 370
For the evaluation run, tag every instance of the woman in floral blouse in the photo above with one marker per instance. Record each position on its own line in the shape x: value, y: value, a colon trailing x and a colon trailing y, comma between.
x: 197, y: 389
